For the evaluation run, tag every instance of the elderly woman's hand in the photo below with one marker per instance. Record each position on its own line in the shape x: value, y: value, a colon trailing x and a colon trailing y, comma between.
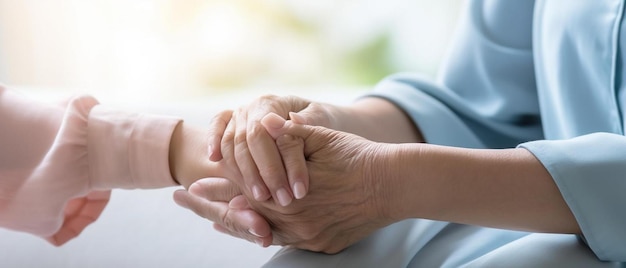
x: 346, y: 199
x: 345, y: 203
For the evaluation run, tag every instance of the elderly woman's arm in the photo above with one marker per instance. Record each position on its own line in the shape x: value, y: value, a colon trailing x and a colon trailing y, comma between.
x: 239, y: 134
x: 368, y: 185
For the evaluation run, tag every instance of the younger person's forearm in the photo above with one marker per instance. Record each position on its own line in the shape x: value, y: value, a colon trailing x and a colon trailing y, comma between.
x: 132, y: 150
x: 188, y: 155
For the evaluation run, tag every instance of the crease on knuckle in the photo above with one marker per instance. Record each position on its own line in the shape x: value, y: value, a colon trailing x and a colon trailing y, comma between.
x: 226, y: 221
x: 229, y: 134
x: 205, y: 212
x: 255, y: 130
x: 240, y: 139
x: 288, y: 143
x: 271, y: 172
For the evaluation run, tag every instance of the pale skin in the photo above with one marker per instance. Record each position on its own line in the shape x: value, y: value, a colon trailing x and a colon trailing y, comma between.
x: 188, y: 163
x: 185, y: 157
x: 504, y: 188
x: 259, y: 163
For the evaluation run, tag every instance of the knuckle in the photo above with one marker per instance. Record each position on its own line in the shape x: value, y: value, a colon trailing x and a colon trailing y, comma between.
x: 242, y: 153
x: 268, y: 97
x: 255, y: 130
x: 207, y: 212
x: 240, y: 138
x: 270, y: 172
x: 309, y: 232
x: 242, y: 110
x: 288, y: 142
x: 319, y: 114
x: 296, y: 101
x: 227, y: 222
x: 229, y: 134
x: 227, y: 142
x: 317, y: 107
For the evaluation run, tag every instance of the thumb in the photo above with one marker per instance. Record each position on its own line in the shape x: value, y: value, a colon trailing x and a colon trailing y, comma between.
x: 311, y: 115
x: 314, y: 137
x: 277, y: 126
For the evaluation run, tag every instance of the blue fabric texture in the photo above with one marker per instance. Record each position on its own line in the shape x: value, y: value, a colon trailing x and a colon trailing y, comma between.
x: 545, y: 76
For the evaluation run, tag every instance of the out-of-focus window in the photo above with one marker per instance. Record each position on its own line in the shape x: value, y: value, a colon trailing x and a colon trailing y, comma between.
x: 168, y: 48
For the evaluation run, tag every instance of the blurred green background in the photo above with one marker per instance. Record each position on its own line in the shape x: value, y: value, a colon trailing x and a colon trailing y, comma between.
x: 180, y: 49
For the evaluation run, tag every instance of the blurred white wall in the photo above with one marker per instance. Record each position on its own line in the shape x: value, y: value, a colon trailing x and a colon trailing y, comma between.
x: 168, y: 48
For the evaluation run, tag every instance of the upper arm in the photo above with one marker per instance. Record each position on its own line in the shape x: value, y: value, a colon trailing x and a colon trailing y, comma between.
x: 485, y: 95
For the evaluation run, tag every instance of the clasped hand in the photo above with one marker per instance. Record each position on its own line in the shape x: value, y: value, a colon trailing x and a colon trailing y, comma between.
x: 331, y: 173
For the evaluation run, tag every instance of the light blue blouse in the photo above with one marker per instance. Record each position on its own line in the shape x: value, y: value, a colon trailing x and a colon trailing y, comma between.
x: 544, y: 75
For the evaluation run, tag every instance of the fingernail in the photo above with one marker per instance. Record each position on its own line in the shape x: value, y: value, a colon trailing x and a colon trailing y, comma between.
x: 238, y: 202
x: 251, y: 231
x: 259, y: 242
x: 298, y: 190
x: 256, y: 191
x: 181, y: 201
x: 283, y: 197
x: 297, y: 118
x: 274, y: 121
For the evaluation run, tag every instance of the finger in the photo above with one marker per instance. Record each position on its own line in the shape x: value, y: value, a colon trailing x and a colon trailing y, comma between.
x: 299, y: 118
x: 314, y: 114
x: 239, y: 202
x: 269, y: 163
x: 292, y: 153
x: 216, y: 132
x: 214, y: 189
x: 261, y: 241
x: 228, y: 152
x: 314, y: 137
x: 246, y: 223
x: 80, y: 213
x: 276, y: 126
x: 248, y: 168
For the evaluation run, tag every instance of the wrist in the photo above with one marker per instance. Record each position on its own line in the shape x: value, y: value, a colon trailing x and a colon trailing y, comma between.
x: 386, y: 182
x: 188, y: 157
x: 126, y: 150
x: 405, y: 181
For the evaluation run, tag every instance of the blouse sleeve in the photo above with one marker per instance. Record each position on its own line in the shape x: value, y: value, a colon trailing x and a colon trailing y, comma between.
x: 51, y: 154
x: 590, y: 172
x: 485, y: 96
x: 580, y: 53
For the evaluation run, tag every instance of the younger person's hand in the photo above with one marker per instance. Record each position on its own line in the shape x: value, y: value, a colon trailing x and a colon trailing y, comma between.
x: 265, y: 173
x: 210, y: 197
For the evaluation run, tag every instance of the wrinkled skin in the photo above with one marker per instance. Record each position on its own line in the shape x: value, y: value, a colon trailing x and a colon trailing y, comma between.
x: 344, y: 204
